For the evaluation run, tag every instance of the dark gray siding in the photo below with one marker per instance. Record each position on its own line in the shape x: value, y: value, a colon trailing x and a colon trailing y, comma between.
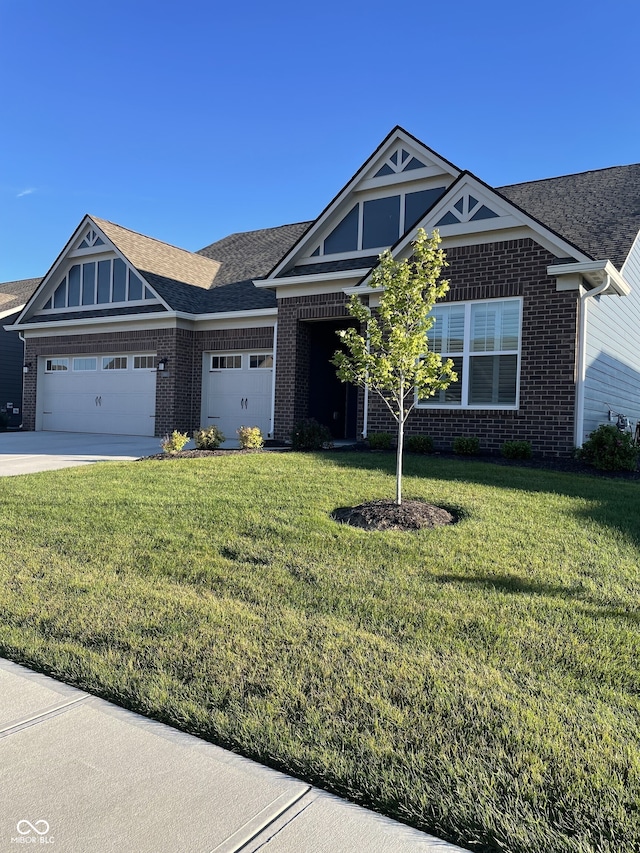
x: 11, y: 360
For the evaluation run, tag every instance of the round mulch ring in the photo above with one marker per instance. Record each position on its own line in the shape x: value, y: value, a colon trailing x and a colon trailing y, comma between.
x: 387, y: 515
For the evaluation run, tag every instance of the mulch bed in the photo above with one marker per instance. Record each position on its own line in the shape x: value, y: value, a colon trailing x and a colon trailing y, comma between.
x: 196, y: 454
x: 387, y: 515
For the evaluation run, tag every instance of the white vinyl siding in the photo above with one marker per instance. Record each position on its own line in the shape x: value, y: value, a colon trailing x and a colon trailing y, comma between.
x: 612, y: 377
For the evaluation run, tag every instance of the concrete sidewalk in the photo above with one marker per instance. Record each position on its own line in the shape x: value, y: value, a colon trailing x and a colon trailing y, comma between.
x: 85, y: 775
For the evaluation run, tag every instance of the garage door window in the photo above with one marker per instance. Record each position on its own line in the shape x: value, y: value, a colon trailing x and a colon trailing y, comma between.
x: 53, y: 364
x: 85, y: 363
x: 117, y: 362
x: 257, y: 362
x: 226, y: 362
x: 144, y: 362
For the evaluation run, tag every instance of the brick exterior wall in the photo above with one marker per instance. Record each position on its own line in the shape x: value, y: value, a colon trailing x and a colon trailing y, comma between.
x: 548, y: 353
x: 292, y: 361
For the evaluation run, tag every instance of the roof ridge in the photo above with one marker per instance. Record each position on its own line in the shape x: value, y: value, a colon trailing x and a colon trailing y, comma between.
x: 98, y: 220
x: 570, y: 175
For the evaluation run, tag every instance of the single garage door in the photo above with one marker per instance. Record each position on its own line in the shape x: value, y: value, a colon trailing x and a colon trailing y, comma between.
x: 237, y: 391
x: 114, y: 394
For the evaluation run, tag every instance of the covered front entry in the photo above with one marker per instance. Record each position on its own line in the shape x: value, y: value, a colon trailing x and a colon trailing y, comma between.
x: 331, y: 402
x: 237, y: 390
x: 112, y: 394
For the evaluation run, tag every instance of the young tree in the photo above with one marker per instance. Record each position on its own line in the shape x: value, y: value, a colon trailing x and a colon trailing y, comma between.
x: 391, y: 357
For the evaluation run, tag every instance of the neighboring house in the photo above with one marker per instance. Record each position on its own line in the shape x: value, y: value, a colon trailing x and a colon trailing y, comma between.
x: 126, y: 334
x: 13, y: 297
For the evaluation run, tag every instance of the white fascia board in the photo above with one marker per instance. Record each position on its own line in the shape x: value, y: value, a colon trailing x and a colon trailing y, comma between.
x: 229, y: 315
x: 61, y: 326
x: 595, y: 273
x: 290, y: 280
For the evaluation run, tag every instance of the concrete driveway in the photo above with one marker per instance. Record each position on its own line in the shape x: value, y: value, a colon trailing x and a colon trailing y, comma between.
x: 28, y: 452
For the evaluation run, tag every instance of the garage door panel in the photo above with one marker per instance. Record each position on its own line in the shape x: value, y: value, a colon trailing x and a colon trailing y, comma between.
x: 121, y: 402
x: 237, y: 397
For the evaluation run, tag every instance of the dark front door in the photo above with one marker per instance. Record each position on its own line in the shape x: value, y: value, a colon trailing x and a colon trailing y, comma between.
x: 331, y: 402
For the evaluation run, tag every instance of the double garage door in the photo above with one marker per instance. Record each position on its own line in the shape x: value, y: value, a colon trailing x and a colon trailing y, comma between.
x: 113, y: 394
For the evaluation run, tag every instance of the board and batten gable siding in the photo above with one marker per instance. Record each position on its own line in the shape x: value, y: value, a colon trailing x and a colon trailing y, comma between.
x: 11, y: 360
x: 612, y: 375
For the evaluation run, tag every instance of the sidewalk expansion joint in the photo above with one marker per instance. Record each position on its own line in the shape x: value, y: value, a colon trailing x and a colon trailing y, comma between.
x: 43, y: 716
x: 260, y: 822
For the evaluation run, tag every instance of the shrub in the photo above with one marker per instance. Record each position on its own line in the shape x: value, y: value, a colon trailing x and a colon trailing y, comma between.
x: 250, y: 438
x: 308, y: 434
x: 516, y: 450
x: 610, y: 450
x: 208, y: 438
x: 175, y: 442
x: 419, y: 444
x: 466, y: 445
x: 380, y: 440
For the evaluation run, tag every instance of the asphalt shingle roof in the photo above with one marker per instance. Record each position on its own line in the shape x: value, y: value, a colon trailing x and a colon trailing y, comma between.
x: 597, y: 211
x: 252, y: 254
x: 15, y: 294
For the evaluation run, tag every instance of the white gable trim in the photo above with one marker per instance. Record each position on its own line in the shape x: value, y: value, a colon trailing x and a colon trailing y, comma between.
x: 509, y: 218
x: 435, y: 165
x: 50, y: 281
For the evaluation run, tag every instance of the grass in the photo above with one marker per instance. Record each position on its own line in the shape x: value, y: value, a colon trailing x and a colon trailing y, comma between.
x: 479, y: 681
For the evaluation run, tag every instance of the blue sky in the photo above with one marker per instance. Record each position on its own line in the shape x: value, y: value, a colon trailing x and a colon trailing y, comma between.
x: 189, y: 121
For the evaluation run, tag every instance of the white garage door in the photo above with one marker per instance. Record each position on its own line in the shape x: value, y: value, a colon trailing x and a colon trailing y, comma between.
x: 113, y: 394
x: 237, y: 390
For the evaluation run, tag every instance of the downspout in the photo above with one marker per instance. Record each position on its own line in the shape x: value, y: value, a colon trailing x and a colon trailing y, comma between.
x: 273, y: 383
x: 24, y: 352
x: 365, y: 419
x: 582, y: 356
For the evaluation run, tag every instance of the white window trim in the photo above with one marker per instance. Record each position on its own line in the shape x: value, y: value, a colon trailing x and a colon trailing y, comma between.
x: 113, y: 369
x: 213, y: 355
x: 84, y: 369
x: 466, y: 354
x: 64, y: 359
x: 264, y: 354
x: 147, y: 355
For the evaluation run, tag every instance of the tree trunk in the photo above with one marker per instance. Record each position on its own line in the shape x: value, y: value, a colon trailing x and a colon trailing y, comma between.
x: 400, y: 448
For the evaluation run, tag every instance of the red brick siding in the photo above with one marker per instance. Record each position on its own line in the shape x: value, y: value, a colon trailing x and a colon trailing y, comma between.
x: 548, y: 351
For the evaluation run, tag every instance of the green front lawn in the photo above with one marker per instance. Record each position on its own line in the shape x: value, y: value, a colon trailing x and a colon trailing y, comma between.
x: 479, y: 681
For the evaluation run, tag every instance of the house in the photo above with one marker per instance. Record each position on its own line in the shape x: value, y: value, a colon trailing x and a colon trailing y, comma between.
x: 127, y: 334
x: 13, y: 297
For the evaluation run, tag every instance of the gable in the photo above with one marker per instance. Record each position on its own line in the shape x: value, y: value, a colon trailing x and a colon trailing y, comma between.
x: 392, y: 190
x: 89, y: 276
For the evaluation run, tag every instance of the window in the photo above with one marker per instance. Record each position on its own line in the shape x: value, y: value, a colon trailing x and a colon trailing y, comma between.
x: 144, y: 362
x: 226, y: 362
x: 257, y: 362
x: 54, y: 364
x: 114, y: 362
x: 483, y: 341
x: 378, y: 222
x: 85, y: 364
x: 98, y: 283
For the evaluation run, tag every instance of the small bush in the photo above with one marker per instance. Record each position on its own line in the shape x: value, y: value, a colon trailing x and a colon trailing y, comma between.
x: 419, y: 444
x: 250, y: 438
x: 516, y: 450
x: 609, y: 450
x: 208, y: 438
x: 466, y: 445
x: 310, y: 435
x: 380, y: 440
x: 175, y: 442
